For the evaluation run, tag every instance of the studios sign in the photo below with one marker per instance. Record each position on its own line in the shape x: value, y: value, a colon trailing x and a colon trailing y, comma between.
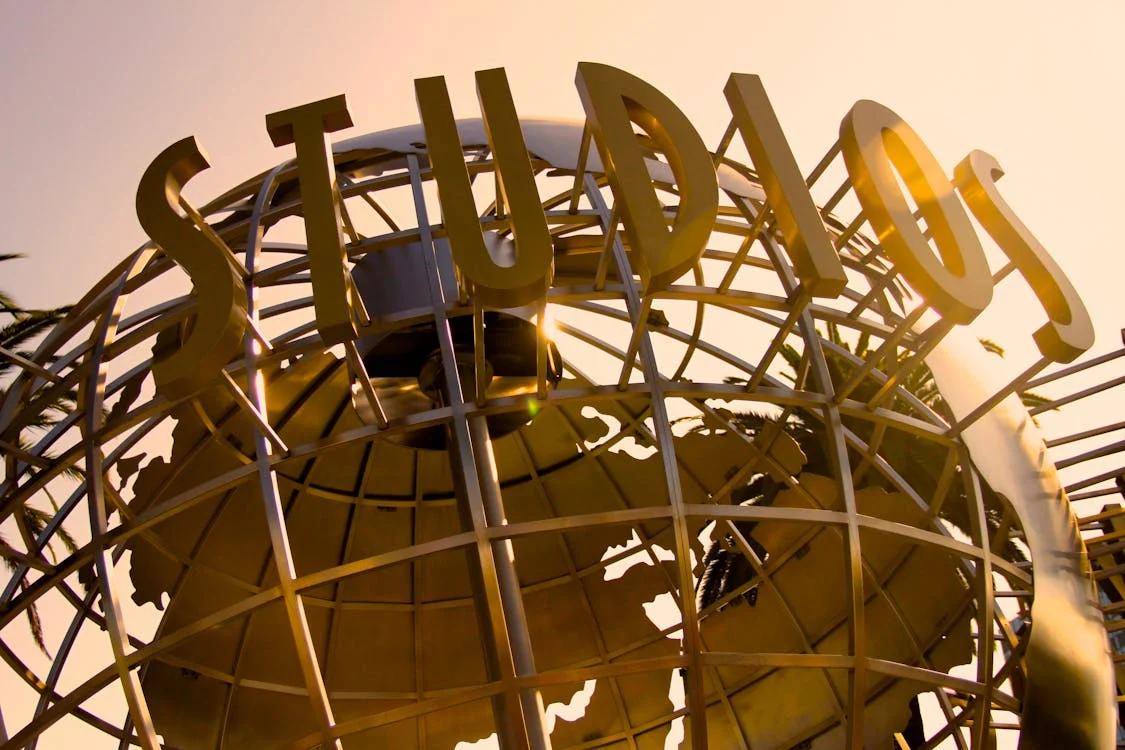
x: 875, y: 143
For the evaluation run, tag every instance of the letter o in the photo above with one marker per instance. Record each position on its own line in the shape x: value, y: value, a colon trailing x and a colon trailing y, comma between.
x: 876, y: 142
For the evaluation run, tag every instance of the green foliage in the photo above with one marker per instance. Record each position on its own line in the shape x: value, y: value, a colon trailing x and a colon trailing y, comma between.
x: 21, y: 328
x: 918, y: 461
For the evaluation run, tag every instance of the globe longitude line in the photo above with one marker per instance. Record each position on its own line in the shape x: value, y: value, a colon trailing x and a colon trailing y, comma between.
x: 518, y: 727
x: 664, y: 440
x: 588, y: 609
x: 814, y: 343
x: 868, y: 675
x: 94, y: 417
x: 264, y: 448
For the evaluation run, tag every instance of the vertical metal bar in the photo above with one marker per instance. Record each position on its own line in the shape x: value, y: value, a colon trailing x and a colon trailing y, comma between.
x: 271, y: 500
x: 513, y: 727
x: 797, y: 305
x: 1012, y: 387
x: 933, y: 335
x: 818, y: 170
x: 358, y: 307
x: 335, y: 612
x: 725, y: 141
x: 359, y: 372
x: 607, y: 250
x: 697, y: 329
x: 982, y: 583
x: 580, y: 171
x: 640, y: 327
x: 837, y: 196
x: 498, y: 190
x: 692, y: 644
x: 748, y: 552
x: 757, y: 221
x: 480, y: 362
x: 92, y: 400
x: 838, y: 454
x: 60, y: 660
x: 510, y: 594
x: 572, y: 570
x: 346, y: 220
x: 542, y: 345
x: 887, y: 350
x: 857, y: 631
x: 416, y: 590
x: 849, y: 231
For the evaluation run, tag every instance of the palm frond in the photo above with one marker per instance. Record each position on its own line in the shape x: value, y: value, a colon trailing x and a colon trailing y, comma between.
x: 992, y: 346
x: 862, y: 347
x: 792, y: 358
x: 7, y: 304
x: 35, y: 624
x: 23, y: 328
x: 1032, y: 400
x: 63, y: 535
x: 28, y: 325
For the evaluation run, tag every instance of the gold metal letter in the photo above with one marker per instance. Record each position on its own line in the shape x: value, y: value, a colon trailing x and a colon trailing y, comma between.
x: 500, y: 282
x: 306, y: 128
x: 613, y: 100
x: 814, y: 258
x: 873, y: 138
x: 220, y: 318
x: 1068, y: 331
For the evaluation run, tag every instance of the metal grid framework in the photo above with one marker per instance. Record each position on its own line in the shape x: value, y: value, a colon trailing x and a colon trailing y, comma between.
x: 1090, y: 458
x: 678, y: 371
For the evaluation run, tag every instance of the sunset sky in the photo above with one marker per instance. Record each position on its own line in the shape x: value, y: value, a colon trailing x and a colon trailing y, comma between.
x: 93, y: 92
x: 92, y: 96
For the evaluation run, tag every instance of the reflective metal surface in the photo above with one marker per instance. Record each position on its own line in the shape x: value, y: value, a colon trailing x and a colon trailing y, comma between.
x: 324, y: 581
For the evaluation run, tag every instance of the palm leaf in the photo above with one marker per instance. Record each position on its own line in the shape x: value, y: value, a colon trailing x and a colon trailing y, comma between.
x: 22, y: 329
x: 1032, y: 400
x: 992, y: 346
x: 7, y: 304
x: 34, y: 623
x: 29, y: 324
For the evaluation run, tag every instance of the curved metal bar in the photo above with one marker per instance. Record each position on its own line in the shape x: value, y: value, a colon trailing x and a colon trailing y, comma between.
x: 516, y: 727
x: 665, y: 442
x: 697, y: 329
x: 1070, y: 684
x: 275, y: 516
x: 868, y: 676
x: 857, y: 637
x: 95, y: 498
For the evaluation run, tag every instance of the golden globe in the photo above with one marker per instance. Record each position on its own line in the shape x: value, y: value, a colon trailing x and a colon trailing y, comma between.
x: 874, y: 141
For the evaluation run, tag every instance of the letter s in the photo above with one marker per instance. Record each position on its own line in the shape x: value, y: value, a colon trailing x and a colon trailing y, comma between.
x: 220, y: 317
x: 1069, y: 330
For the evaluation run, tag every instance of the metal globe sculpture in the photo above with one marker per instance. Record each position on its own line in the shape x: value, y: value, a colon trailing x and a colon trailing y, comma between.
x: 716, y: 513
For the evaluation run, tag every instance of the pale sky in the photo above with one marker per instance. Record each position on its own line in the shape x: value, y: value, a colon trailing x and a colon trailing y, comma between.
x: 92, y: 92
